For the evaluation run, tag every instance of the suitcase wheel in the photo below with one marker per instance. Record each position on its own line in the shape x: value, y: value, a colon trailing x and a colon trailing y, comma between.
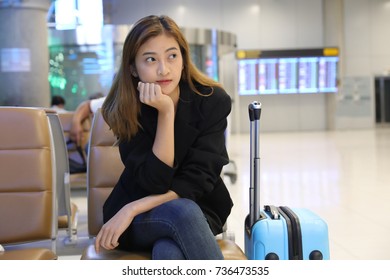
x: 272, y: 256
x: 316, y: 255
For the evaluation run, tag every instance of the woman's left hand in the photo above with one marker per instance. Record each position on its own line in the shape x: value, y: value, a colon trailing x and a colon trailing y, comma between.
x: 111, y: 231
x: 151, y: 94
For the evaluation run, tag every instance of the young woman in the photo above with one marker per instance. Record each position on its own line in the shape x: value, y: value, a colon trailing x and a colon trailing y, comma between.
x: 170, y: 121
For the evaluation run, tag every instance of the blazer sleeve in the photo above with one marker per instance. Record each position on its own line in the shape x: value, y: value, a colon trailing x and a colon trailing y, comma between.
x: 142, y: 168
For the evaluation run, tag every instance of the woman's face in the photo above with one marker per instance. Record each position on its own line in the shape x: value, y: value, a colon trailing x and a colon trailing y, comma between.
x: 159, y: 61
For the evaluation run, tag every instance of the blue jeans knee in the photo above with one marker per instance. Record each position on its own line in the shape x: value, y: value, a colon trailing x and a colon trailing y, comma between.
x: 180, y: 220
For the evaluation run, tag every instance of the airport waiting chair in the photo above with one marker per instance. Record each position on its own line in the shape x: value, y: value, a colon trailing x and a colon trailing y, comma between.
x: 28, y: 221
x: 67, y: 211
x: 104, y: 169
x: 77, y: 180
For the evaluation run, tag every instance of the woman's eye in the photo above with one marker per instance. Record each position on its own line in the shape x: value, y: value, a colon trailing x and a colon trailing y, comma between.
x: 150, y: 59
x: 172, y: 56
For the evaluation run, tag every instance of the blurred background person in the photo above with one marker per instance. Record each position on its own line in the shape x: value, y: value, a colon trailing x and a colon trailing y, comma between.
x: 83, y: 111
x: 58, y: 104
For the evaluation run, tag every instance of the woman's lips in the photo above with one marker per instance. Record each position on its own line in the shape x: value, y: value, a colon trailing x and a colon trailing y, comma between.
x: 164, y: 82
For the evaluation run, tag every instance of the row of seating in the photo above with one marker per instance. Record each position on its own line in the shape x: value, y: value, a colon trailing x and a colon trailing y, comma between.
x: 39, y: 173
x: 28, y: 180
x: 27, y: 134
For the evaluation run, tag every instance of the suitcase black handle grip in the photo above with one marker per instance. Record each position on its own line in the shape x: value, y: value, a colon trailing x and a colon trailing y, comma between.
x: 254, y: 109
x: 273, y: 210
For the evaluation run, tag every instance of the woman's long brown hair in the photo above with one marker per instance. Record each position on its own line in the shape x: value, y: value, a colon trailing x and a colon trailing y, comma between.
x: 122, y: 106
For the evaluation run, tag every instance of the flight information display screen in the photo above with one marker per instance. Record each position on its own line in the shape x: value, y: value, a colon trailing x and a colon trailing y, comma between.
x: 287, y: 75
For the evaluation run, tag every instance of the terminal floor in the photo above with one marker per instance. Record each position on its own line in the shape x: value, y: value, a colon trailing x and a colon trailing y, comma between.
x: 343, y: 176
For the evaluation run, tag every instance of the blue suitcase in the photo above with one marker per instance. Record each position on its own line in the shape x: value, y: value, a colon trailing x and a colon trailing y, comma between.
x: 279, y: 233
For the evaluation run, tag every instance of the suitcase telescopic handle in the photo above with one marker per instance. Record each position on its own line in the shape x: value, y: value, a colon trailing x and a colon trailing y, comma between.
x: 254, y: 109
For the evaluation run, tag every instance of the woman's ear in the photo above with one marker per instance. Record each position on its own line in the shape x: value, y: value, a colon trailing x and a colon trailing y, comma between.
x: 133, y: 71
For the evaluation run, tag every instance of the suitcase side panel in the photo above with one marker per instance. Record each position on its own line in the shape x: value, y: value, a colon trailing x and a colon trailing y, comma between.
x: 314, y: 233
x: 267, y: 238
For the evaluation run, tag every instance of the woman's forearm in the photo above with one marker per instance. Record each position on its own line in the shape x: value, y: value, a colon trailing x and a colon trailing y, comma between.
x: 164, y: 145
x: 149, y: 202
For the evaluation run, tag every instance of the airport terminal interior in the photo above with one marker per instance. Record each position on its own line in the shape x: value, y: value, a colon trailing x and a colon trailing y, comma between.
x: 319, y: 68
x: 341, y: 175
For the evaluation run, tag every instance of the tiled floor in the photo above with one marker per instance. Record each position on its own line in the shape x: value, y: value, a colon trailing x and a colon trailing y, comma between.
x: 344, y: 176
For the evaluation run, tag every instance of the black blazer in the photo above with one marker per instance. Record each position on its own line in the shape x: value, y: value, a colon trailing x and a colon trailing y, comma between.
x: 200, y: 154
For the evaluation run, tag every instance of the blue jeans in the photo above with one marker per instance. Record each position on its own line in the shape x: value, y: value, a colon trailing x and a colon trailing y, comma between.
x: 176, y: 230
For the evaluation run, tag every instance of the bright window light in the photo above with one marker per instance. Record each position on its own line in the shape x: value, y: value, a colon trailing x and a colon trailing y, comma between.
x: 72, y: 13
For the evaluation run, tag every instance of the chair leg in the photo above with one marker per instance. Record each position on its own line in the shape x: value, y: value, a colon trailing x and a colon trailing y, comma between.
x: 71, y: 238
